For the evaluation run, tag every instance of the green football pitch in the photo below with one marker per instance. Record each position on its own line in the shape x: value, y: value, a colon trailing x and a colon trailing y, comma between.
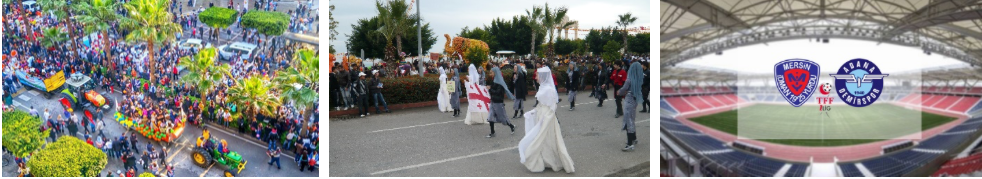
x: 844, y: 125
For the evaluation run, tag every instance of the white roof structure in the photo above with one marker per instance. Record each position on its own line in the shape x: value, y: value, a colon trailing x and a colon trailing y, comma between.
x: 692, y: 28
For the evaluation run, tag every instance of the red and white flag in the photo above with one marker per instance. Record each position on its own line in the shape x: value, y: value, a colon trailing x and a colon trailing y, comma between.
x: 478, y: 99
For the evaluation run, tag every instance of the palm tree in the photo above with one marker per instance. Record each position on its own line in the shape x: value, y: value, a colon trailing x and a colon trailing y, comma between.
x: 53, y: 37
x: 150, y: 22
x: 395, y: 21
x: 554, y: 21
x: 97, y: 16
x: 625, y: 20
x: 255, y: 96
x: 534, y: 22
x: 300, y: 84
x: 203, y: 72
x: 60, y: 9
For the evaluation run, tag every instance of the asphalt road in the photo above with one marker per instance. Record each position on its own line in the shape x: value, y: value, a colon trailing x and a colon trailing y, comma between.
x: 426, y: 142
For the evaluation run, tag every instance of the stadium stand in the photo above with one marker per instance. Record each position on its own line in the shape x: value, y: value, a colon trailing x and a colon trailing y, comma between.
x: 960, y: 166
x: 850, y: 170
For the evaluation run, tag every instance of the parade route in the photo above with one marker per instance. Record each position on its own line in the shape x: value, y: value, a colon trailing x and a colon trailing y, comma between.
x: 426, y: 142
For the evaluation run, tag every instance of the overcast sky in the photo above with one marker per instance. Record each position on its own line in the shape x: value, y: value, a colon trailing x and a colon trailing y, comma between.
x: 449, y: 16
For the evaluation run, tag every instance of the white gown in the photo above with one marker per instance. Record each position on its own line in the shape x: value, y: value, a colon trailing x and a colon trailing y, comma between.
x: 475, y: 116
x: 443, y: 97
x: 543, y: 144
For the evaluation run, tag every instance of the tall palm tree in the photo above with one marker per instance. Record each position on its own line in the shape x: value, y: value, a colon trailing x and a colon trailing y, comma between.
x: 150, y: 22
x: 203, y: 71
x: 53, y: 36
x: 625, y: 20
x: 553, y: 20
x: 396, y: 21
x: 97, y: 16
x: 255, y: 96
x: 300, y: 84
x: 535, y: 23
x: 60, y: 9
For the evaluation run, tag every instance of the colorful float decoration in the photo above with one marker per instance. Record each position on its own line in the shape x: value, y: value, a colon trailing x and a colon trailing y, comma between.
x: 154, y: 132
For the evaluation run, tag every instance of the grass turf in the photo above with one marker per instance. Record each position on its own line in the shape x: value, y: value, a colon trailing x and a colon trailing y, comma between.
x: 877, y: 121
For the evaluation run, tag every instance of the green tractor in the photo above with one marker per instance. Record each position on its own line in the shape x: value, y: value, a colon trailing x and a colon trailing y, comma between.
x: 205, y: 156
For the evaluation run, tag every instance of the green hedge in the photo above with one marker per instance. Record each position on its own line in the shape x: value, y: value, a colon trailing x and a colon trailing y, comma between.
x: 218, y: 17
x: 266, y: 22
x: 68, y: 157
x: 20, y: 133
x: 414, y: 89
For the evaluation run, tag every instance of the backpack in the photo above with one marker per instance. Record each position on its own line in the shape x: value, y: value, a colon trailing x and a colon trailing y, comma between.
x: 311, y: 161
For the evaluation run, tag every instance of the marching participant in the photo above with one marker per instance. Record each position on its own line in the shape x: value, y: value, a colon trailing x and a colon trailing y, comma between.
x: 543, y: 144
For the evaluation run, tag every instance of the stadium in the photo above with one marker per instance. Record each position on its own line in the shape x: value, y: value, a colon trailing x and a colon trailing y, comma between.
x: 723, y: 113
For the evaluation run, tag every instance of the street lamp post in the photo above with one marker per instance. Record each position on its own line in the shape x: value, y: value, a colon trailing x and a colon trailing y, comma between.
x: 419, y: 39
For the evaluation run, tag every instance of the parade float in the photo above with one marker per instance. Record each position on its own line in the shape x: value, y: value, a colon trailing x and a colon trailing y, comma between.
x: 153, y: 132
x: 461, y: 46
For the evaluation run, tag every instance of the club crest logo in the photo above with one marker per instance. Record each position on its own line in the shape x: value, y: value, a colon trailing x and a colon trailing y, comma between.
x: 796, y: 80
x: 859, y: 82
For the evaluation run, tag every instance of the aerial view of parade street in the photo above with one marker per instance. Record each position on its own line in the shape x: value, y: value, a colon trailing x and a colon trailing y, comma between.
x: 489, y: 88
x: 166, y: 88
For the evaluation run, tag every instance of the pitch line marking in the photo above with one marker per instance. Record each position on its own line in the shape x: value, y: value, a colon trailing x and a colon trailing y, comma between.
x: 443, y: 161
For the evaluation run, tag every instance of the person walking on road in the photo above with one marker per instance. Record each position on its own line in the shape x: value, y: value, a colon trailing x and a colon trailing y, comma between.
x: 274, y: 156
x: 617, y: 77
x: 498, y: 91
x: 631, y: 92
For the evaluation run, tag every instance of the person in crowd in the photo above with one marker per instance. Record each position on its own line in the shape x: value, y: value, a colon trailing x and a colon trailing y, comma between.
x: 498, y: 91
x: 521, y: 89
x: 631, y: 93
x: 617, y: 78
x: 572, y: 83
x: 543, y: 146
x: 375, y: 87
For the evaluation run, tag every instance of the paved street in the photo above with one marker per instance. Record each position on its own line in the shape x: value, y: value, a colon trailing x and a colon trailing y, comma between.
x: 425, y: 142
x: 251, y: 149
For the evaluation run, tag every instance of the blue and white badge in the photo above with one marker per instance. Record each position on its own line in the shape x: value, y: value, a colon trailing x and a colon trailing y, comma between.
x: 859, y: 82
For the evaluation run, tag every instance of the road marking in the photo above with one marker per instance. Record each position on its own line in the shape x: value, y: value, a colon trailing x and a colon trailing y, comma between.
x: 17, y: 103
x: 206, y: 170
x: 646, y: 120
x: 35, y: 93
x: 24, y: 97
x: 407, y: 127
x: 443, y: 161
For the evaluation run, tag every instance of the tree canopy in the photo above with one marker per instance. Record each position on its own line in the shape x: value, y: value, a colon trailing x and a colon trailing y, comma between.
x: 597, y: 39
x: 68, y: 157
x: 21, y: 133
x: 218, y: 17
x: 611, y: 51
x: 268, y: 23
x: 364, y: 36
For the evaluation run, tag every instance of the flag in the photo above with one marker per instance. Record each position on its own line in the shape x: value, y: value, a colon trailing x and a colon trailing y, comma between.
x: 478, y: 99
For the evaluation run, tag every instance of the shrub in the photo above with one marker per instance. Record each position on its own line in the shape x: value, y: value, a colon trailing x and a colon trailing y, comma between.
x: 218, y: 17
x: 68, y: 157
x: 147, y: 174
x: 269, y: 23
x: 21, y: 134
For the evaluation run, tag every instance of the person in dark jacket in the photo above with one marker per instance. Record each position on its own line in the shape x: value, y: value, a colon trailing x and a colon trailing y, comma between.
x: 336, y: 101
x: 572, y: 83
x: 603, y: 76
x: 375, y: 87
x: 645, y: 89
x: 521, y: 89
x: 497, y: 92
x: 361, y: 95
x: 353, y: 77
x: 455, y: 95
x: 345, y: 83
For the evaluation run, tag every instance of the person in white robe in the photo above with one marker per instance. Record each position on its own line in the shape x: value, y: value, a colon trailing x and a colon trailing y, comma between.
x: 543, y: 145
x: 475, y: 115
x: 443, y: 96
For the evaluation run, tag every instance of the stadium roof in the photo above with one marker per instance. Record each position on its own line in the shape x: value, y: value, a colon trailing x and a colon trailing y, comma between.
x: 692, y: 28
